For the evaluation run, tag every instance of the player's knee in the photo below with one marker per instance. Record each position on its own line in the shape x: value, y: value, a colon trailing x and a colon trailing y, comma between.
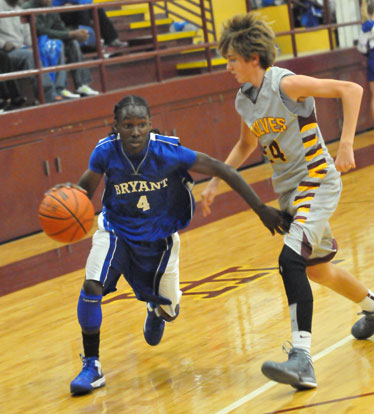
x: 166, y: 316
x: 93, y: 287
x: 316, y: 277
x: 292, y: 268
x: 290, y: 262
x: 321, y: 274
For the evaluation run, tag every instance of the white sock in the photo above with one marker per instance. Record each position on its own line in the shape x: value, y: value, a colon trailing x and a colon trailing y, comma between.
x: 302, y: 339
x: 368, y: 303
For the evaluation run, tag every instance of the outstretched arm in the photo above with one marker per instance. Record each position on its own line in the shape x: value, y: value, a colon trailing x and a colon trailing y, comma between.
x: 272, y: 218
x: 246, y: 144
x: 299, y: 87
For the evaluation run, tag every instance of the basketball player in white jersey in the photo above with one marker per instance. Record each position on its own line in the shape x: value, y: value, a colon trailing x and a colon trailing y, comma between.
x: 278, y: 113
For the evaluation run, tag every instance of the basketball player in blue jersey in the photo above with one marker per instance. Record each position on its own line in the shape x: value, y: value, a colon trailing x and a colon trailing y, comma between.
x: 278, y: 113
x: 147, y: 199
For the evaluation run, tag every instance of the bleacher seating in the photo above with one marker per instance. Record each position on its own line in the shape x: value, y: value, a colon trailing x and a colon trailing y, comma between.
x: 134, y: 27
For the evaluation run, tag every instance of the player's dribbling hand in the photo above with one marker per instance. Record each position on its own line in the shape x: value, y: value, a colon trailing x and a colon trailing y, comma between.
x: 208, y: 195
x: 275, y: 220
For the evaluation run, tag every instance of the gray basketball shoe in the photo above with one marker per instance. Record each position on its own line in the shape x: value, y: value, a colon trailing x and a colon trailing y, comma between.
x: 298, y: 371
x: 364, y: 327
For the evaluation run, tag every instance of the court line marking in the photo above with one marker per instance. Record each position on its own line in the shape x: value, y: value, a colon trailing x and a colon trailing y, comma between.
x: 271, y: 384
x: 326, y: 402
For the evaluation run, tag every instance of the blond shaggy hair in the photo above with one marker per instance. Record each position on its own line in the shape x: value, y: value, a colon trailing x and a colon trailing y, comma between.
x: 246, y: 35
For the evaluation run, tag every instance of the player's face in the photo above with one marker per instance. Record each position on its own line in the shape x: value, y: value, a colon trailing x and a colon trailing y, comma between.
x: 133, y: 127
x: 244, y: 71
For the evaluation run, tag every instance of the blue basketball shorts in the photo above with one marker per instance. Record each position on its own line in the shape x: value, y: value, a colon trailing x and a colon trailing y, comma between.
x: 150, y: 268
x: 370, y: 69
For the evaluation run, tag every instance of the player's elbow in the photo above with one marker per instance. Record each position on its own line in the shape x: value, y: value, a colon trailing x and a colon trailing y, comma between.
x: 246, y: 147
x: 358, y: 89
x: 353, y: 89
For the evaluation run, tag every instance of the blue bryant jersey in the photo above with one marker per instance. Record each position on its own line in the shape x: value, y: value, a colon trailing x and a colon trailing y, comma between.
x: 147, y: 199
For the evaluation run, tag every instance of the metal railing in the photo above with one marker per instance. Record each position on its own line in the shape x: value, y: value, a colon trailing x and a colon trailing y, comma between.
x: 328, y: 24
x: 198, y: 10
x: 100, y: 61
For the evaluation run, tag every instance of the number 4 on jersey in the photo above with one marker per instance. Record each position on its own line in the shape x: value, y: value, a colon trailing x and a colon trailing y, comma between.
x: 275, y: 152
x: 143, y: 203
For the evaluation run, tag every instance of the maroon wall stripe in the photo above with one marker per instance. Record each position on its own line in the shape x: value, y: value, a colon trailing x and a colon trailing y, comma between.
x: 69, y: 258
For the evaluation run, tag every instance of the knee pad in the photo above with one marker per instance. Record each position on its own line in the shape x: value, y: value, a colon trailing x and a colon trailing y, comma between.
x: 89, y: 312
x: 292, y: 268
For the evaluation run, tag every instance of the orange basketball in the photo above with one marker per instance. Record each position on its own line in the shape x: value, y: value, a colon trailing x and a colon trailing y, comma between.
x: 66, y: 214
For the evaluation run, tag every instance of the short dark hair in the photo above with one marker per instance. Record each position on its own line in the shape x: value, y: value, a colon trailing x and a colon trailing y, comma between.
x: 130, y: 100
x: 247, y: 34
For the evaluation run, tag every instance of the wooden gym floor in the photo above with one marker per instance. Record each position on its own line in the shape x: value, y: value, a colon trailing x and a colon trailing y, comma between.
x: 234, y: 316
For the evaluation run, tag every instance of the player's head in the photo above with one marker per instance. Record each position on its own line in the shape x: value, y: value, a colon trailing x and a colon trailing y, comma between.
x: 247, y: 35
x: 132, y: 121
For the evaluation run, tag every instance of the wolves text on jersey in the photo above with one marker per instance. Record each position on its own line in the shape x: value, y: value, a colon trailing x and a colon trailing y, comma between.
x: 139, y: 186
x: 268, y: 124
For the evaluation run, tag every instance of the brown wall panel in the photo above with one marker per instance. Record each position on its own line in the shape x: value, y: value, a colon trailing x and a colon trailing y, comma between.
x: 345, y: 64
x: 199, y: 109
x: 23, y: 179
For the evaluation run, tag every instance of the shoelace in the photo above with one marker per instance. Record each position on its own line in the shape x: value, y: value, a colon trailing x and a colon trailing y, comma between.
x: 287, y: 347
x: 87, y: 363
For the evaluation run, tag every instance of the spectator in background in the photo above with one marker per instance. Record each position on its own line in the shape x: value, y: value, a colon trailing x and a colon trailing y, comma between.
x: 310, y: 13
x: 51, y: 25
x: 79, y: 18
x: 307, y: 13
x: 10, y: 96
x: 15, y: 41
x: 332, y: 9
x: 266, y: 3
